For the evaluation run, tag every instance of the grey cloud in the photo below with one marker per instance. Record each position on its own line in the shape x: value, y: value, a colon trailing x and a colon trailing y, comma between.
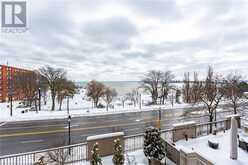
x: 114, y: 32
x: 160, y: 9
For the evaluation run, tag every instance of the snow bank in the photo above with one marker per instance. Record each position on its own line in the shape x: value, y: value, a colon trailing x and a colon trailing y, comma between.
x: 184, y: 124
x: 219, y: 156
x: 104, y: 136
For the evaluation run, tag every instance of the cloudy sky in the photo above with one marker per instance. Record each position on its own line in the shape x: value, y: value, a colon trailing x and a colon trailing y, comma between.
x: 123, y: 39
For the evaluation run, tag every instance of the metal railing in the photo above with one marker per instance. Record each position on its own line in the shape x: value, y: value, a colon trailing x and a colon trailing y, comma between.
x: 78, y: 152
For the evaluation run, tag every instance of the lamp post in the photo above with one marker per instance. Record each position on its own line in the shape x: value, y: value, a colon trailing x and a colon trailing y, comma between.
x: 39, y: 97
x: 159, y: 118
x: 11, y: 105
x: 69, y: 132
x: 68, y: 110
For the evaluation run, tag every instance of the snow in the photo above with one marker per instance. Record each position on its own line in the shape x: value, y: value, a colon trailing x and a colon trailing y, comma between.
x: 183, y: 123
x: 213, y: 140
x: 79, y: 105
x: 233, y: 115
x: 243, y: 137
x: 104, y: 136
x: 218, y: 156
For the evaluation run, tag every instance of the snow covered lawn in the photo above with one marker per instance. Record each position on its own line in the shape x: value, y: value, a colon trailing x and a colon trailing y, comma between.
x: 219, y: 156
x: 79, y: 106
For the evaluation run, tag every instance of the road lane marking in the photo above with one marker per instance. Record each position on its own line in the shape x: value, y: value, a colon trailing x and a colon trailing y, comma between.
x: 26, y: 127
x: 76, y: 125
x: 31, y: 141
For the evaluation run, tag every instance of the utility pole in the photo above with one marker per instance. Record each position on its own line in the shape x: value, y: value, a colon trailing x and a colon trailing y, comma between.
x: 140, y: 101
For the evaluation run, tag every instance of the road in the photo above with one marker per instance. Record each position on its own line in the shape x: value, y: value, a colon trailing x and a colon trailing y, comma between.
x: 16, y: 137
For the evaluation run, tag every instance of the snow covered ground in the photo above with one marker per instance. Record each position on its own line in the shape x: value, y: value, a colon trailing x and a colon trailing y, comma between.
x: 79, y: 106
x: 135, y: 157
x: 219, y: 156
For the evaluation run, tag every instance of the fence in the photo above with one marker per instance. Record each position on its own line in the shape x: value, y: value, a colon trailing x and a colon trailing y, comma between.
x: 67, y: 154
x: 78, y: 151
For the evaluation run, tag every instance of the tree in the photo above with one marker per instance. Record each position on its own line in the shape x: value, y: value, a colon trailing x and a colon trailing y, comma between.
x: 118, y: 157
x: 232, y: 90
x: 133, y: 96
x: 186, y: 88
x: 178, y: 94
x: 166, y: 78
x: 52, y: 77
x: 123, y: 100
x: 25, y: 84
x: 154, y: 146
x: 95, y: 156
x: 95, y: 90
x: 195, y: 89
x: 65, y: 88
x: 60, y: 155
x: 211, y: 93
x: 151, y: 83
x: 108, y: 96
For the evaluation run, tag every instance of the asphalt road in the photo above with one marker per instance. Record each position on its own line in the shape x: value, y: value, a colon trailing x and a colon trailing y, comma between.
x: 16, y: 137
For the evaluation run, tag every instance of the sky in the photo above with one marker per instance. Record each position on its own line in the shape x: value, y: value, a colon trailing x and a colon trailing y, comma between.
x: 120, y: 40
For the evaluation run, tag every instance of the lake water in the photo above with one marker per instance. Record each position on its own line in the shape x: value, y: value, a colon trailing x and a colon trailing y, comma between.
x: 122, y: 87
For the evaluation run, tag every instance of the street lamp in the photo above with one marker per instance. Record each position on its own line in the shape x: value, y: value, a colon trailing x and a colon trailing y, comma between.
x: 39, y: 97
x: 69, y: 132
x: 68, y: 110
x: 11, y: 105
x: 159, y: 118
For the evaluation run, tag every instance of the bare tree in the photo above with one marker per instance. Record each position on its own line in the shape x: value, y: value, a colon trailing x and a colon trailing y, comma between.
x: 133, y: 96
x: 211, y: 94
x: 166, y: 78
x: 95, y: 90
x: 108, y: 96
x: 178, y: 94
x: 123, y: 99
x: 232, y: 90
x: 151, y: 83
x: 25, y: 84
x: 65, y: 88
x: 186, y: 88
x: 52, y: 77
x: 60, y: 155
x: 195, y: 89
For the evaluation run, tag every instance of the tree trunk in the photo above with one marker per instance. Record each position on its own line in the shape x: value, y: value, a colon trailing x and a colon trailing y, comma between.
x: 149, y: 162
x: 234, y: 108
x: 163, y: 99
x: 35, y: 104
x: 96, y: 102
x: 60, y: 103
x: 107, y: 107
x: 53, y: 102
x: 211, y: 125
